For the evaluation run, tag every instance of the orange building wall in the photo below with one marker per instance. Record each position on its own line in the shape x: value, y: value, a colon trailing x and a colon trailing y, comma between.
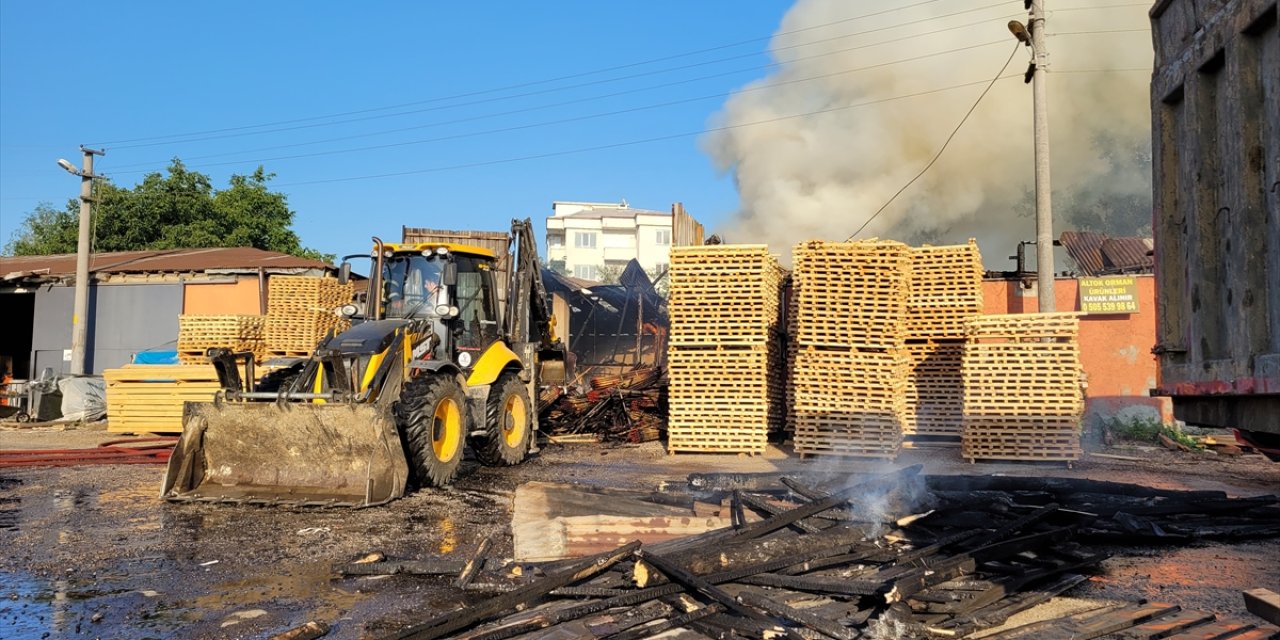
x: 240, y: 298
x: 1115, y: 350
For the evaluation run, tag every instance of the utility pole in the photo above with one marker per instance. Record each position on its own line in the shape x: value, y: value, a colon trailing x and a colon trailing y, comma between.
x: 1044, y: 207
x: 80, y: 311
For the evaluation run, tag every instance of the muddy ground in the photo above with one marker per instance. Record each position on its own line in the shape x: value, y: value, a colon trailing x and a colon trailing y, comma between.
x: 91, y: 552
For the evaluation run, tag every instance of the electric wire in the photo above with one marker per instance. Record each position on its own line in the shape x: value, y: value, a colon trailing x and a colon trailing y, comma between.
x: 944, y: 144
x: 128, y: 143
x: 628, y: 143
x: 529, y: 83
x: 572, y: 102
x: 586, y: 117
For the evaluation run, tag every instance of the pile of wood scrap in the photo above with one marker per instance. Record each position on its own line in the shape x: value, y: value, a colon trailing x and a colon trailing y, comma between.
x: 627, y: 407
x: 892, y: 555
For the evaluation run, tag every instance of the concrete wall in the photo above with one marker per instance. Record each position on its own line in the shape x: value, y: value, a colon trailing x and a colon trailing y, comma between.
x: 1115, y: 350
x: 123, y: 319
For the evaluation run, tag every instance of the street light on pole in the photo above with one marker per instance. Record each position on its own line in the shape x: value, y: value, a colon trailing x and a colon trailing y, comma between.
x: 80, y: 311
x: 1033, y: 35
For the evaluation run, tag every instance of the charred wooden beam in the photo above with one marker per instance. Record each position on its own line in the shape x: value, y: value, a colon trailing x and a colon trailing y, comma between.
x: 673, y: 623
x: 815, y: 584
x: 678, y: 574
x: 459, y: 619
x: 407, y: 567
x: 635, y: 597
x: 1060, y: 487
x: 474, y: 563
x: 1018, y: 545
x: 629, y: 618
x: 802, y: 490
x: 923, y: 578
x: 729, y: 554
x: 770, y: 510
x: 773, y: 523
x: 802, y: 618
x: 818, y: 563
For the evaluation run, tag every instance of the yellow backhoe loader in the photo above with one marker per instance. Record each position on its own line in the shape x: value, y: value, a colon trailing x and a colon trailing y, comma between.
x: 429, y: 366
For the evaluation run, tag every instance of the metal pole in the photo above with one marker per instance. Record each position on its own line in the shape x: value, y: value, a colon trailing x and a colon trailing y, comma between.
x: 1044, y: 208
x: 80, y: 311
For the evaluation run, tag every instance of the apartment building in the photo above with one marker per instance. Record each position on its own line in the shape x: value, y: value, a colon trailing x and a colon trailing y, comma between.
x: 589, y: 240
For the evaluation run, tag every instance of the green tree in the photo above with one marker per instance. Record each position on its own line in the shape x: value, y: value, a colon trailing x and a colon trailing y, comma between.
x: 174, y: 211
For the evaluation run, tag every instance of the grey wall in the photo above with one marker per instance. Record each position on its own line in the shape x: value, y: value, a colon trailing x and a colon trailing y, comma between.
x: 124, y: 319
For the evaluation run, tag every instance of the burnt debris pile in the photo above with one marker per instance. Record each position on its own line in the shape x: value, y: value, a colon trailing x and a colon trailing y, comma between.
x: 625, y: 407
x: 890, y: 555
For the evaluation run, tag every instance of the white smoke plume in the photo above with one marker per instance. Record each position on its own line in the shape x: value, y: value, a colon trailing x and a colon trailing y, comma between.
x: 822, y: 176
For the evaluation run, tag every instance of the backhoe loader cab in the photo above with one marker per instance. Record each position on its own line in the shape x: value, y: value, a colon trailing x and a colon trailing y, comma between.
x: 428, y: 368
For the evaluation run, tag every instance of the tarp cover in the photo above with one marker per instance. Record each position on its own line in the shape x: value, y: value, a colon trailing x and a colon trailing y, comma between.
x: 84, y: 398
x: 156, y: 357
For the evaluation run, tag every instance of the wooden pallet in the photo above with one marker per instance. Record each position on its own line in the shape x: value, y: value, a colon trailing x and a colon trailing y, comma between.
x: 307, y: 292
x: 724, y: 295
x: 863, y: 435
x: 1024, y: 327
x: 1023, y: 393
x: 848, y: 401
x: 199, y: 333
x: 851, y: 294
x: 945, y: 290
x: 298, y: 330
x: 724, y: 400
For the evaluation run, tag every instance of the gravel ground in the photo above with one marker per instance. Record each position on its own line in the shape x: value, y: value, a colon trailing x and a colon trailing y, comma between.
x: 92, y: 552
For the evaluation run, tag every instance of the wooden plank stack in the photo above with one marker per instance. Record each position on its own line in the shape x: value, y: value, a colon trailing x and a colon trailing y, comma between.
x: 1023, y: 395
x: 149, y: 398
x: 945, y: 290
x: 849, y: 382
x: 725, y: 360
x: 300, y: 310
x: 199, y: 333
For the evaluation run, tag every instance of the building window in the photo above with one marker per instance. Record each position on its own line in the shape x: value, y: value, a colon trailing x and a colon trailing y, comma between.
x: 583, y: 240
x: 555, y: 239
x: 584, y: 271
x: 660, y: 269
x: 664, y: 237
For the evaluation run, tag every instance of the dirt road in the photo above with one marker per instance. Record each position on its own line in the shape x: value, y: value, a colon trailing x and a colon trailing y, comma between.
x: 92, y: 552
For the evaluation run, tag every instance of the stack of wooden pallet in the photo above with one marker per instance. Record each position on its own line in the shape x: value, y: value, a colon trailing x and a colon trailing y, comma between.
x: 199, y: 333
x: 725, y: 357
x: 1023, y: 394
x: 849, y: 382
x: 945, y: 291
x: 300, y: 310
x: 149, y: 398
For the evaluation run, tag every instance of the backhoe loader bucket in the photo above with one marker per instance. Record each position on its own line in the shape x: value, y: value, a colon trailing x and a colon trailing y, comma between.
x: 287, y: 453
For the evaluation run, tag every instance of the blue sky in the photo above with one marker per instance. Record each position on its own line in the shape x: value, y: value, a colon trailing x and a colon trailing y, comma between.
x: 135, y: 77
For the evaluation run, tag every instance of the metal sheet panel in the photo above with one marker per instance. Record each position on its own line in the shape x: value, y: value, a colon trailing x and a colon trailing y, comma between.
x: 123, y: 319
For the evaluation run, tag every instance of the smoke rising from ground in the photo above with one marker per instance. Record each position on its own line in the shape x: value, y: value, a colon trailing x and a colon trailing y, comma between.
x: 822, y: 176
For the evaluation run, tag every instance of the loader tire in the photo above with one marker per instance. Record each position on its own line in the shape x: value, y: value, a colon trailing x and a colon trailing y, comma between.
x: 508, y: 424
x: 432, y: 418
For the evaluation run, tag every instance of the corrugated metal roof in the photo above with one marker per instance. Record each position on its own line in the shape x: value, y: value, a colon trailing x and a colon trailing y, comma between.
x: 169, y: 261
x: 1127, y: 255
x: 1096, y: 254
